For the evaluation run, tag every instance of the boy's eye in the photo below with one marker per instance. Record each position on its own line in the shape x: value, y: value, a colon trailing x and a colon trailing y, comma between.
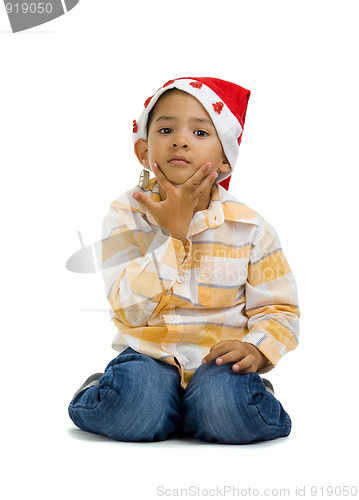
x: 200, y: 133
x: 165, y: 130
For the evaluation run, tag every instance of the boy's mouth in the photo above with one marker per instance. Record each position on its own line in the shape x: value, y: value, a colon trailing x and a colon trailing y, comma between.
x: 178, y: 160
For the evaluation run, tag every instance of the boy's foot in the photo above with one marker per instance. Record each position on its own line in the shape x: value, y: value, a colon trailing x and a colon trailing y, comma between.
x: 268, y: 385
x: 91, y: 380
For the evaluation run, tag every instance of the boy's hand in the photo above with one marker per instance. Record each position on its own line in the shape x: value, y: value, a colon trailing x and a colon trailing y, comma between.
x: 246, y: 357
x: 176, y: 211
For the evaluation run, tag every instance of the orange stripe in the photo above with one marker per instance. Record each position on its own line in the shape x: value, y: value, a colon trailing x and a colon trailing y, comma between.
x: 273, y: 309
x: 267, y: 269
x: 278, y: 332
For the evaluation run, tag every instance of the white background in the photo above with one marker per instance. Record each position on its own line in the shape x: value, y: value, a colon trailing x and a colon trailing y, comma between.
x: 69, y: 91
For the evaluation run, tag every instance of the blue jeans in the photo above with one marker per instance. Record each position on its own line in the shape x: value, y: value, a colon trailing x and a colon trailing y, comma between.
x: 140, y: 399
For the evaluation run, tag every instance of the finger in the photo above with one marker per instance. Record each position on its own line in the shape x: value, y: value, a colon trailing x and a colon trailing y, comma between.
x: 206, y: 182
x: 246, y: 365
x: 216, y: 351
x: 145, y: 201
x: 199, y: 175
x: 230, y: 357
x: 247, y: 371
x: 161, y: 178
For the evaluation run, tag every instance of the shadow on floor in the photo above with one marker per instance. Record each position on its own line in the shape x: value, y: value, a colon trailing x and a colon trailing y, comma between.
x: 80, y: 435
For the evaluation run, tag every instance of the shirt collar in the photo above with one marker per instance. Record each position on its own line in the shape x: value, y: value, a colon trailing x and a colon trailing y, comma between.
x: 222, y: 206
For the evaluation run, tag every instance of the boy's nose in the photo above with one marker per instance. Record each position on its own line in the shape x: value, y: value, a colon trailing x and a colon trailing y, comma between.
x: 181, y: 142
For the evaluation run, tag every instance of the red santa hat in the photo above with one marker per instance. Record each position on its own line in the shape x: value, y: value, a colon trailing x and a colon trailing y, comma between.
x: 225, y: 102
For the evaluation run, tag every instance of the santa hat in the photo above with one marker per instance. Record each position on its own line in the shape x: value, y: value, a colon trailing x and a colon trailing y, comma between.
x: 226, y: 104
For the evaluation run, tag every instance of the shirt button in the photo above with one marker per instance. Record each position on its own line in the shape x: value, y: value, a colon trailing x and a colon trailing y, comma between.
x: 180, y: 279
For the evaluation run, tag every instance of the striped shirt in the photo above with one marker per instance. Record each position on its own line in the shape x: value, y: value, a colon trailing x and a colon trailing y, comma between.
x: 174, y: 301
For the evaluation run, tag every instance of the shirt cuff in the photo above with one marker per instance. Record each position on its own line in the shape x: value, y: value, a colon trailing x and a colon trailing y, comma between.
x: 267, y: 346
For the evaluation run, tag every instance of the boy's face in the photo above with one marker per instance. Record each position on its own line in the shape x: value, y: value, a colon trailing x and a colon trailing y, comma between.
x: 181, y: 138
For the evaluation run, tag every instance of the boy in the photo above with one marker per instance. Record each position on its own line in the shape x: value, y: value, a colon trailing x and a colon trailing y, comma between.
x: 199, y: 288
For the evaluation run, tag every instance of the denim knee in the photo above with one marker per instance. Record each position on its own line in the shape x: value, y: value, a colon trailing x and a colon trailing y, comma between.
x: 222, y: 406
x: 137, y: 399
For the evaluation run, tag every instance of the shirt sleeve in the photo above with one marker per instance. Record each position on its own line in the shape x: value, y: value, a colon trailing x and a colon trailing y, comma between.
x: 271, y: 298
x: 139, y: 264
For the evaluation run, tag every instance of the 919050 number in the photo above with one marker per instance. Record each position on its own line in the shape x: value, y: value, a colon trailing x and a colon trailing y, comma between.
x: 32, y: 8
x: 334, y: 491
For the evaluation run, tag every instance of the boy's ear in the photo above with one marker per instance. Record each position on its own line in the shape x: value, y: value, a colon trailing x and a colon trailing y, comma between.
x: 225, y: 167
x: 141, y: 150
